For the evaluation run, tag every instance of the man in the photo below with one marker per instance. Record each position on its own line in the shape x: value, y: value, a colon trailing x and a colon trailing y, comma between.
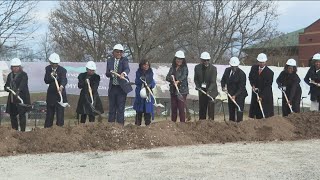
x: 53, y: 96
x: 17, y: 81
x: 261, y: 78
x: 235, y: 80
x: 118, y: 87
x: 205, y: 75
x: 312, y: 78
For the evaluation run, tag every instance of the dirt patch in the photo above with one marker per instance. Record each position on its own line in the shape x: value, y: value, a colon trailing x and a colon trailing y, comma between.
x: 106, y: 137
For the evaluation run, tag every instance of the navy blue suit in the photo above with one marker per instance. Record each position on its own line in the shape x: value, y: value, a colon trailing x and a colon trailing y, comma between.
x: 117, y: 95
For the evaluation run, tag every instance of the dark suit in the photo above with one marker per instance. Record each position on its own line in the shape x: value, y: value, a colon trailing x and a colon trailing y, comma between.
x: 207, y: 75
x: 264, y: 83
x: 84, y: 107
x: 293, y: 91
x: 19, y: 84
x: 236, y: 86
x: 117, y: 93
x: 314, y: 90
x: 53, y: 96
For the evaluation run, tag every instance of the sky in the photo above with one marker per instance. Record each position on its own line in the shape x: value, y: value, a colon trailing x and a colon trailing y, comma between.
x: 293, y: 15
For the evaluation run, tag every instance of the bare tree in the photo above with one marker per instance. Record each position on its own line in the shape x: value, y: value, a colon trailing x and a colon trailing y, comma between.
x: 16, y: 22
x: 46, y: 46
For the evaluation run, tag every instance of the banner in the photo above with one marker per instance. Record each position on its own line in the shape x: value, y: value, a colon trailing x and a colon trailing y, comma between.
x: 36, y: 71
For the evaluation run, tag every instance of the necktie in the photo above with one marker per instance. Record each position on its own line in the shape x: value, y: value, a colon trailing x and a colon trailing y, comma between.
x: 260, y: 70
x: 115, y: 79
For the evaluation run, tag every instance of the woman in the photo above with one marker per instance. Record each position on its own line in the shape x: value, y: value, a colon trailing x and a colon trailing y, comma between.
x: 17, y: 81
x: 288, y: 80
x: 179, y: 70
x: 84, y: 104
x: 144, y: 105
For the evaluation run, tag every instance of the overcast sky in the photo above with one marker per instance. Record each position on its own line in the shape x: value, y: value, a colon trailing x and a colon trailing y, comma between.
x: 293, y: 15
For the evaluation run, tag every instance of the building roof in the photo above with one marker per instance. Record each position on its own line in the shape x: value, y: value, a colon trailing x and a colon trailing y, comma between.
x: 287, y: 40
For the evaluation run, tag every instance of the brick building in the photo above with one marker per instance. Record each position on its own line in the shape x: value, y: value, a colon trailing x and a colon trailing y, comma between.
x: 300, y: 45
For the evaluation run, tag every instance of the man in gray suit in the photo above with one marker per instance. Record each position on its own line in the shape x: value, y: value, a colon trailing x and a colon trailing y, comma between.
x: 205, y: 76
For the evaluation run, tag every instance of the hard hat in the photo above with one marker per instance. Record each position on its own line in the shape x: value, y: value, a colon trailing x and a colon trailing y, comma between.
x: 291, y: 62
x: 316, y: 56
x: 234, y: 61
x: 262, y: 57
x: 54, y: 58
x: 118, y: 47
x: 15, y: 62
x: 91, y: 65
x: 180, y: 54
x: 205, y: 55
x: 143, y: 93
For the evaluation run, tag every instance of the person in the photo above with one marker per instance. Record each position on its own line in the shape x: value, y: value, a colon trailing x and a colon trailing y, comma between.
x: 312, y: 78
x: 118, y: 88
x: 179, y: 70
x: 261, y: 78
x: 235, y: 80
x: 17, y: 81
x: 53, y: 97
x: 205, y: 76
x: 289, y: 82
x: 84, y: 104
x: 143, y: 102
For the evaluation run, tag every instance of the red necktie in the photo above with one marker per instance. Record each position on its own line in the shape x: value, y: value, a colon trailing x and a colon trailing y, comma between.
x: 260, y: 70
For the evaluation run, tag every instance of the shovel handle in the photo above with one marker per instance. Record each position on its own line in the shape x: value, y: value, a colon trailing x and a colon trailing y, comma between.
x: 90, y: 90
x: 115, y: 73
x: 234, y: 101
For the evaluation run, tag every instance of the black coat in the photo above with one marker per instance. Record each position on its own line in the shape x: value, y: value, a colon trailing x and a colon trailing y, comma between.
x: 19, y: 84
x: 314, y: 90
x: 264, y: 83
x: 84, y: 99
x: 236, y: 83
x: 210, y: 78
x: 180, y: 75
x: 52, y: 93
x: 293, y: 91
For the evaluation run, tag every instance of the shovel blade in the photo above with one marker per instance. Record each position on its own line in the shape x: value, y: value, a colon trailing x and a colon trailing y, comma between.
x: 158, y: 105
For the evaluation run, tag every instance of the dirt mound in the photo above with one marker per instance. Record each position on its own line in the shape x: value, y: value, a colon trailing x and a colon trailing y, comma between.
x: 105, y: 137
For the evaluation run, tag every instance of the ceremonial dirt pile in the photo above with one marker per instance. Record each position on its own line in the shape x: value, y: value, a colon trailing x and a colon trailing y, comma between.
x: 106, y: 137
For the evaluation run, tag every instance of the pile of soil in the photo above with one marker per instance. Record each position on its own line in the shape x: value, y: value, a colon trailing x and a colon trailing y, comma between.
x: 106, y: 137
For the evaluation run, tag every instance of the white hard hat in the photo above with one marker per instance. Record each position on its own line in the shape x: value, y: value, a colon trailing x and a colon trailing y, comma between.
x: 262, y: 57
x: 143, y: 93
x: 316, y: 56
x: 91, y: 65
x: 118, y: 47
x: 180, y: 54
x: 234, y: 61
x: 291, y: 62
x: 54, y: 58
x: 15, y: 62
x: 205, y: 55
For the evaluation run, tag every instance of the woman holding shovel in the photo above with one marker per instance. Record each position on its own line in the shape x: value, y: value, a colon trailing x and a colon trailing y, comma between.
x: 143, y: 102
x: 17, y: 86
x: 289, y: 83
x: 233, y: 82
x: 178, y: 78
x: 89, y: 103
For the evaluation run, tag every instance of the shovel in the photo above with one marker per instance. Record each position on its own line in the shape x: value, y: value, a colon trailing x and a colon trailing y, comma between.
x: 115, y: 73
x: 91, y: 96
x: 61, y: 99
x: 199, y: 89
x: 234, y: 101
x: 286, y: 97
x: 259, y: 101
x: 180, y: 97
x: 148, y: 88
x: 21, y: 100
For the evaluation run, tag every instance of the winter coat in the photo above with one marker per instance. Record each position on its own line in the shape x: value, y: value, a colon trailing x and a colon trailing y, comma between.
x: 123, y: 66
x: 180, y: 75
x: 264, y: 83
x: 19, y: 84
x: 314, y: 90
x: 141, y: 104
x: 210, y: 78
x: 84, y: 102
x: 52, y: 92
x: 236, y: 83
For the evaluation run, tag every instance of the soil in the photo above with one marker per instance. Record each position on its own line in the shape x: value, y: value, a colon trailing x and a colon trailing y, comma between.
x: 107, y: 137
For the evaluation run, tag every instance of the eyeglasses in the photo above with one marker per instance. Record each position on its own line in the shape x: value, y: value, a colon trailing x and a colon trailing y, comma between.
x: 117, y: 51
